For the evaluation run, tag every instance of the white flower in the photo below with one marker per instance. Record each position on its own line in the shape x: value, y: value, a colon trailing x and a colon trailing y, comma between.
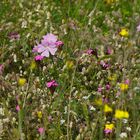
x: 123, y: 135
x: 86, y: 97
x: 128, y: 128
x: 92, y: 108
x: 62, y: 122
x: 125, y: 121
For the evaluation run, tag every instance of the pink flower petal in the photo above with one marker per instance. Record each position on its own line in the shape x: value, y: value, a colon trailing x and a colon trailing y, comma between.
x: 59, y: 43
x: 127, y: 81
x: 39, y: 57
x: 52, y: 84
x: 107, y: 131
x: 41, y: 48
x: 41, y: 130
x: 52, y: 50
x: 45, y: 53
x: 50, y: 38
x: 17, y: 108
x: 99, y: 89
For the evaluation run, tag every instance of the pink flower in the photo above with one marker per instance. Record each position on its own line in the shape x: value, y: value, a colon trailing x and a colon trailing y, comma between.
x: 59, y: 43
x: 108, y: 87
x: 104, y: 65
x: 52, y: 84
x: 17, y: 108
x: 127, y: 81
x: 39, y: 57
x: 108, y: 51
x: 138, y: 28
x: 35, y: 49
x: 105, y: 100
x: 107, y: 131
x: 48, y: 45
x: 41, y: 130
x: 1, y: 68
x: 99, y: 89
x: 92, y: 52
x: 49, y: 40
x: 14, y: 36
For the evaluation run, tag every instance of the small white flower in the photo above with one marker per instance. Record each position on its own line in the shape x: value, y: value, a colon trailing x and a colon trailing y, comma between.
x: 62, y: 122
x: 92, y: 108
x: 86, y: 97
x: 125, y: 121
x: 123, y: 135
x: 128, y: 128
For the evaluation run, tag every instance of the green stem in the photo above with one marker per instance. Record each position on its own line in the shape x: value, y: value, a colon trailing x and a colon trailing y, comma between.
x: 20, y: 125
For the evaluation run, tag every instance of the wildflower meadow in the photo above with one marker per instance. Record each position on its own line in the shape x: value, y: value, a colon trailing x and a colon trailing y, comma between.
x: 69, y: 69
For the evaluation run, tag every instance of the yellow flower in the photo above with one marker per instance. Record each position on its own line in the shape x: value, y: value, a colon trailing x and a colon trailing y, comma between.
x: 124, y: 32
x: 107, y: 109
x: 39, y: 114
x: 126, y: 114
x: 21, y: 81
x: 69, y: 64
x: 113, y: 77
x: 99, y: 101
x: 109, y: 126
x: 123, y: 86
x: 33, y: 65
x: 119, y: 114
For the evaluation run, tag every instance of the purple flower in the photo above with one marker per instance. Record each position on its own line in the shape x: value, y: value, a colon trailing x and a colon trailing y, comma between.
x: 39, y: 57
x: 138, y: 28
